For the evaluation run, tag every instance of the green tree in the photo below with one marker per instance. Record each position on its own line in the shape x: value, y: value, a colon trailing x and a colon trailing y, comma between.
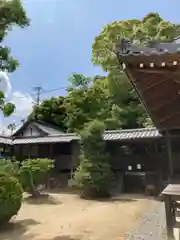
x: 87, y: 99
x: 11, y: 14
x: 52, y: 111
x: 32, y: 172
x: 93, y: 99
x: 89, y: 102
x: 94, y: 175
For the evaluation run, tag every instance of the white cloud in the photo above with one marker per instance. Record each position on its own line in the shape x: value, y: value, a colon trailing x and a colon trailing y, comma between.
x: 5, y: 85
x: 22, y: 101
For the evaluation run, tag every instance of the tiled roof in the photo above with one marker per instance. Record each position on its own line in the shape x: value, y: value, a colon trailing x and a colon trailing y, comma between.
x: 129, y: 134
x: 124, y: 47
x: 47, y: 139
x: 6, y: 140
x: 177, y: 39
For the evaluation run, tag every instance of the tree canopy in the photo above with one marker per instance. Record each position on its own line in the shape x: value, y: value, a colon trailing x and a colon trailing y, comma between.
x: 86, y: 102
x: 11, y: 14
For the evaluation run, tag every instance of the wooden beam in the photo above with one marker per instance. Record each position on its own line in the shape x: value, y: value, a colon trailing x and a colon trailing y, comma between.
x: 175, y: 98
x: 157, y: 71
x: 169, y: 117
x: 152, y: 86
x: 131, y: 78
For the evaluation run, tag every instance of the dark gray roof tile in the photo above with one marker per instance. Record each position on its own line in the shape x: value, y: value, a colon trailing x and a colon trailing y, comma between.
x: 127, y: 134
x: 132, y: 134
x: 47, y: 128
x: 47, y: 139
x: 6, y: 140
x: 125, y: 47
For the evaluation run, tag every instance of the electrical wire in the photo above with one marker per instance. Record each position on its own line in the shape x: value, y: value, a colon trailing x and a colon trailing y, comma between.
x: 35, y: 94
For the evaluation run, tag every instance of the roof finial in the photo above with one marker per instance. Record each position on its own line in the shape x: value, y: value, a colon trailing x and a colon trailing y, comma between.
x: 123, y: 45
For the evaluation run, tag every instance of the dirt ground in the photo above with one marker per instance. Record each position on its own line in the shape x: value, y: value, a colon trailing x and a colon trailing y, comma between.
x: 66, y: 217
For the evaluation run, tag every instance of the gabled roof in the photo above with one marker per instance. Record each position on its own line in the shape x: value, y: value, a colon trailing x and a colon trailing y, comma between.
x: 50, y: 130
x: 154, y: 72
x: 42, y: 126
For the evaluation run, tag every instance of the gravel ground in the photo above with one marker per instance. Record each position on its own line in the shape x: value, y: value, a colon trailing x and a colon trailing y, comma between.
x: 152, y: 226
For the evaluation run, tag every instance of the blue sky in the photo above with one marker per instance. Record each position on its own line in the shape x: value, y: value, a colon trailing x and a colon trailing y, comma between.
x: 60, y: 37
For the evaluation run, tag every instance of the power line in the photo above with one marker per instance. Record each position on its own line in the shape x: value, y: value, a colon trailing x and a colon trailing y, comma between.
x: 42, y: 92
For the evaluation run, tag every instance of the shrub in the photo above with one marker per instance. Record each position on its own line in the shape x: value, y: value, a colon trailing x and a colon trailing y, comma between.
x: 33, y: 172
x: 94, y: 179
x: 11, y: 194
x: 94, y: 174
x: 10, y: 167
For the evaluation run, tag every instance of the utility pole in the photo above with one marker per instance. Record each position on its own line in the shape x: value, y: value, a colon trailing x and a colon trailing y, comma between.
x: 38, y: 92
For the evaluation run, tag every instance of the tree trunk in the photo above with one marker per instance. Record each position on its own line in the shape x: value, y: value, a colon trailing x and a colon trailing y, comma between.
x: 33, y: 191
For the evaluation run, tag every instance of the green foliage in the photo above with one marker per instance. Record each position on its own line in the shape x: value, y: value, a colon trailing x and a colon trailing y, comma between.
x: 79, y: 80
x: 93, y: 100
x: 8, y: 109
x: 10, y: 197
x: 32, y: 173
x: 11, y: 14
x: 52, y: 111
x: 88, y: 103
x: 10, y: 167
x: 94, y: 174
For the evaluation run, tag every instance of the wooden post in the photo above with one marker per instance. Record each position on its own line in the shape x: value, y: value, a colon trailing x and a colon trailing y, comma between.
x: 50, y: 150
x: 29, y: 155
x: 21, y: 152
x: 169, y: 218
x: 169, y: 151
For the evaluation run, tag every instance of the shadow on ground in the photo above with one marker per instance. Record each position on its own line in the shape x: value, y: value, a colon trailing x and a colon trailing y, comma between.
x: 65, y: 190
x: 17, y: 230
x: 64, y: 237
x: 124, y: 197
x: 43, y: 199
